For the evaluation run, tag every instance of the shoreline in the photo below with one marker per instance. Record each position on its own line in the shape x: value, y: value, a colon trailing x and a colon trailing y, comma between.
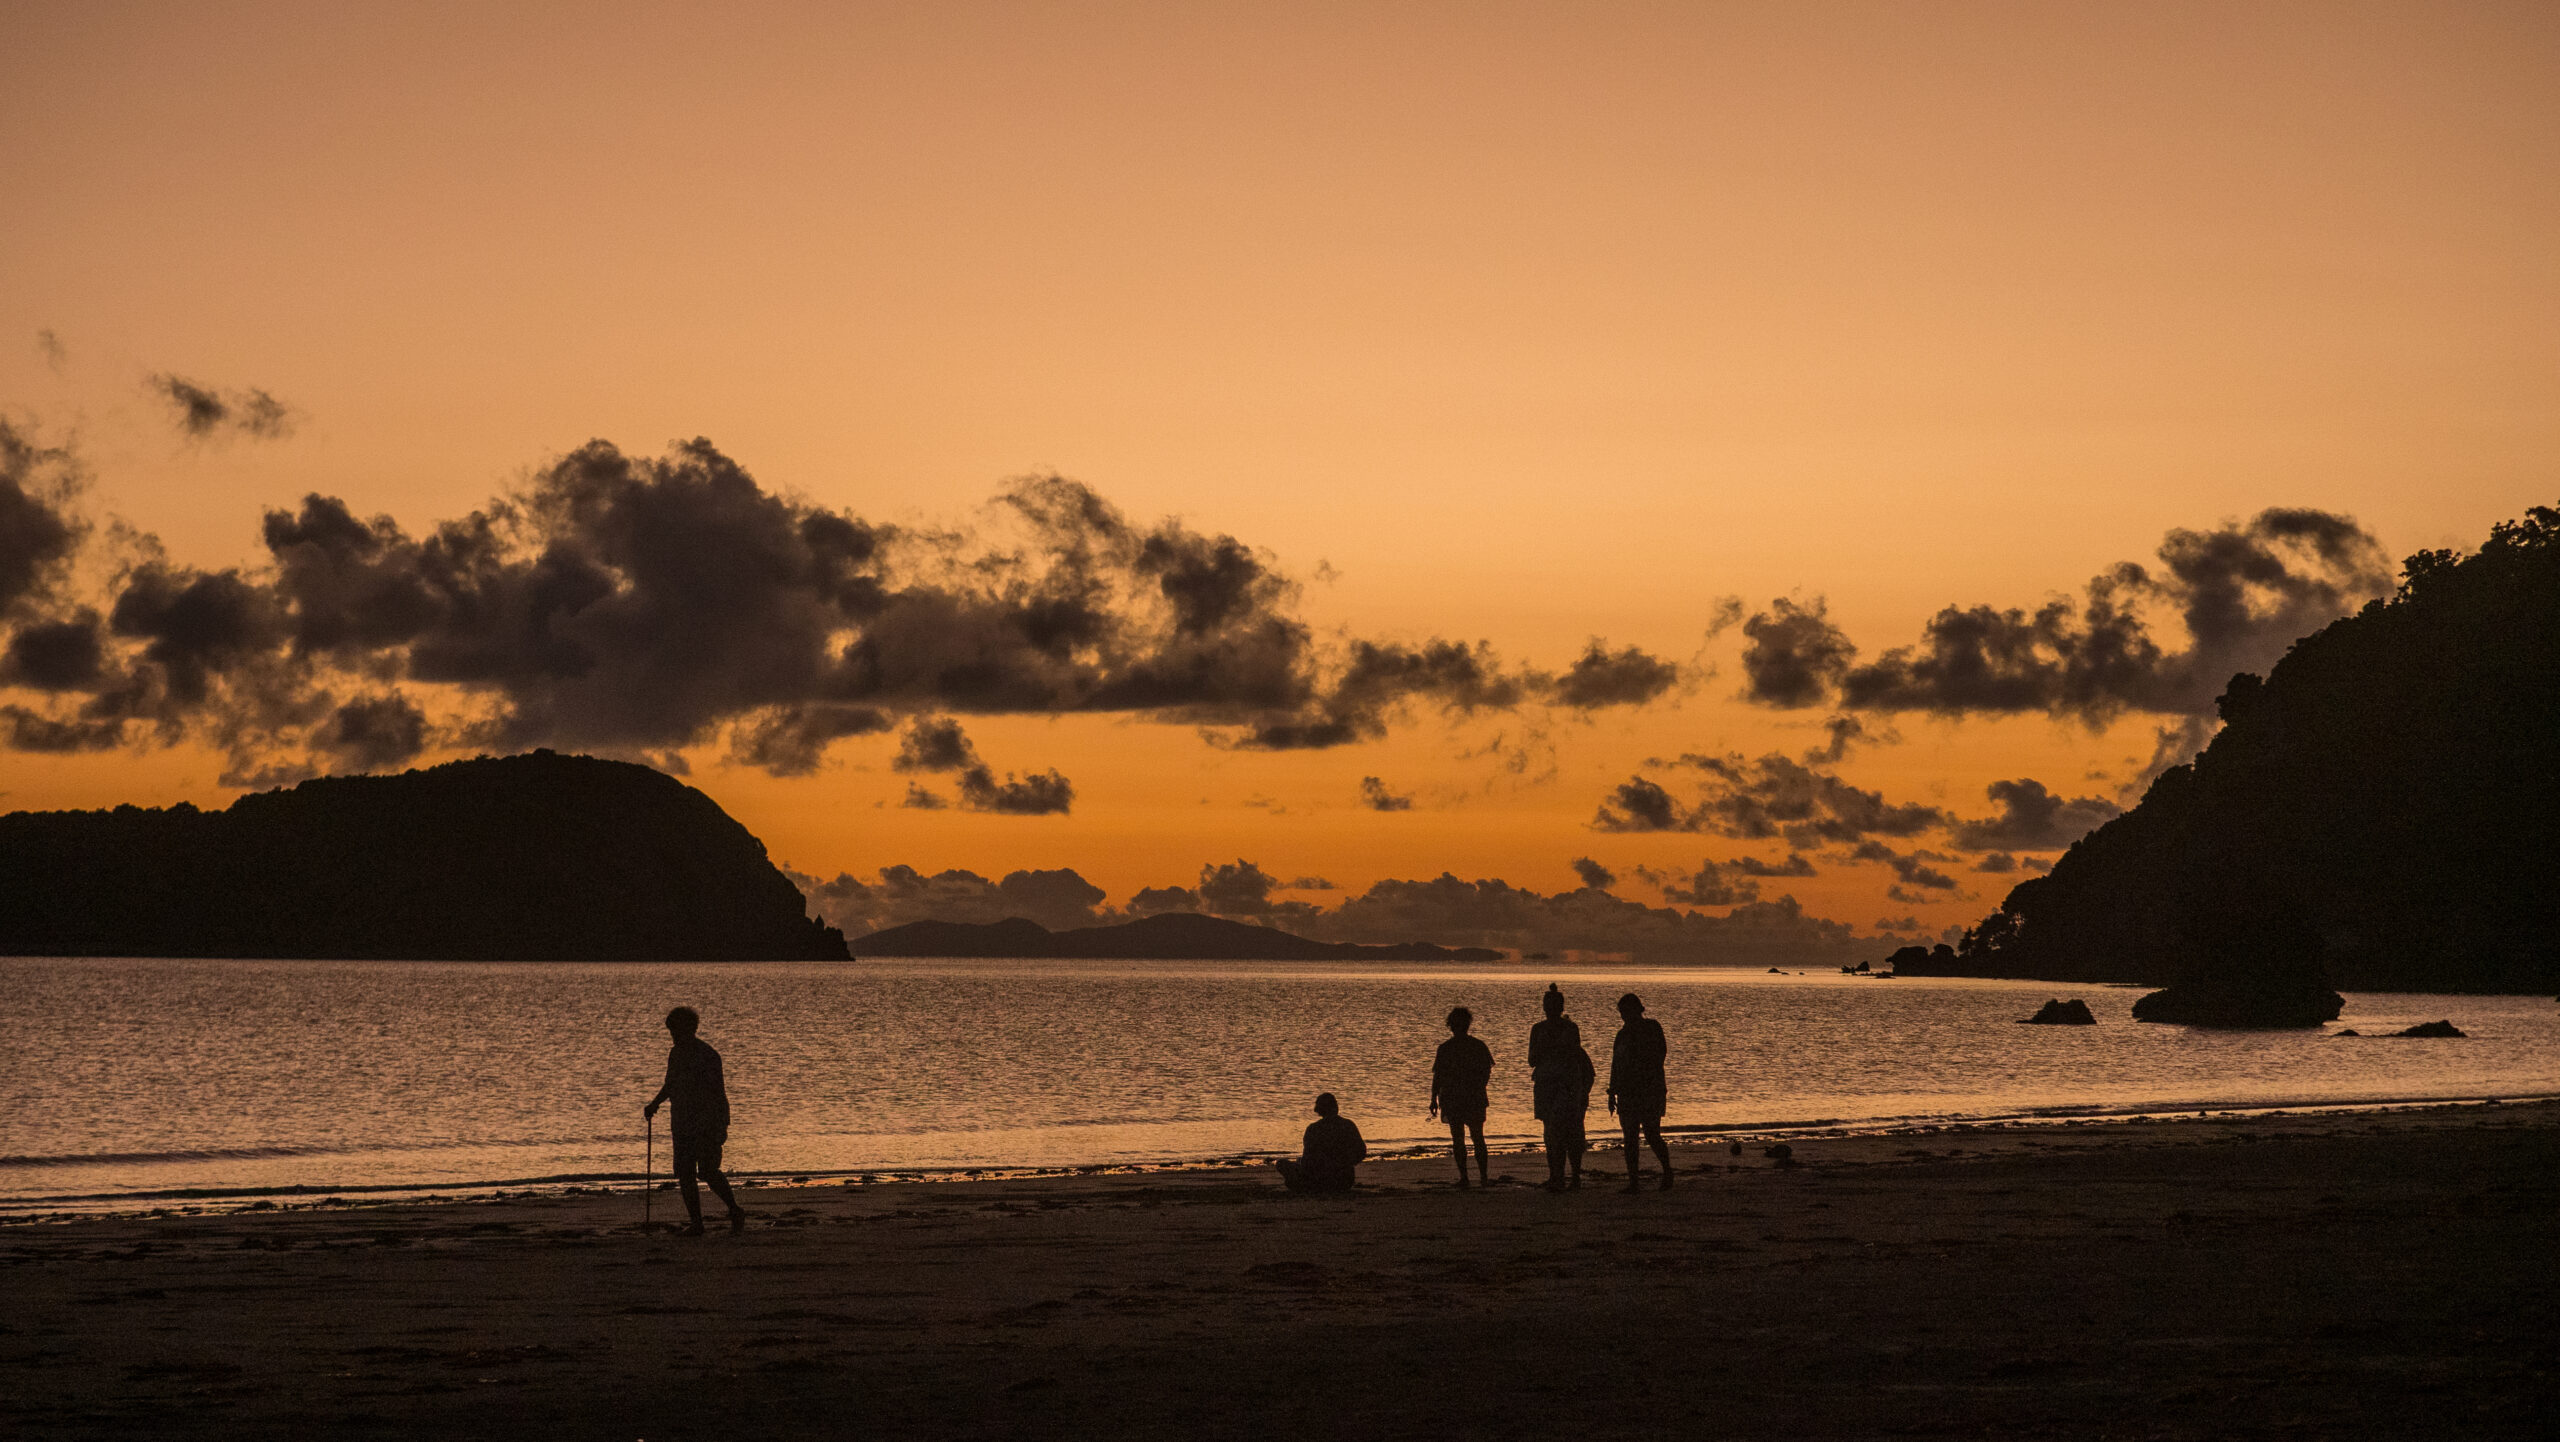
x: 307, y: 1196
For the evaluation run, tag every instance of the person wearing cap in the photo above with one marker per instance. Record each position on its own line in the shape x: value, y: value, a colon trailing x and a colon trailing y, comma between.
x: 700, y: 1127
x: 1638, y: 1090
x: 1332, y: 1149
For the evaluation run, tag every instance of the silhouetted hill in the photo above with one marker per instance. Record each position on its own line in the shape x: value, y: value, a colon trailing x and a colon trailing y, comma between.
x: 2393, y: 785
x: 539, y: 857
x: 1172, y: 936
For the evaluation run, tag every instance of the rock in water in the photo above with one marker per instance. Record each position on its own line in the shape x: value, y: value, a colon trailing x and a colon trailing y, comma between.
x: 2202, y: 1003
x: 2074, y: 1012
x: 2432, y: 1028
x: 539, y: 857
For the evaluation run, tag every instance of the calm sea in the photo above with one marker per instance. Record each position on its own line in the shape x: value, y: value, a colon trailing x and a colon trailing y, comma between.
x: 133, y: 1080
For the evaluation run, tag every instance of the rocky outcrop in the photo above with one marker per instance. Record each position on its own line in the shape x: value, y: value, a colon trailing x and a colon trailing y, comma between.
x: 533, y: 858
x: 2396, y: 776
x: 2074, y: 1012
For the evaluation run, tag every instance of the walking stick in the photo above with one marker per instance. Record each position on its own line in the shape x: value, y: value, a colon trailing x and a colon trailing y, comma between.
x: 649, y: 1173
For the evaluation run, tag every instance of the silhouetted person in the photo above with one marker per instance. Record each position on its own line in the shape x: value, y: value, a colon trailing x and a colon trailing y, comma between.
x: 1638, y: 1091
x: 1459, y: 1074
x: 1333, y: 1147
x: 700, y: 1126
x: 1560, y: 1077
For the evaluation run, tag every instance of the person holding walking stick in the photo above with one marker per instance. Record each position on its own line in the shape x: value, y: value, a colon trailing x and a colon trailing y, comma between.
x: 700, y: 1126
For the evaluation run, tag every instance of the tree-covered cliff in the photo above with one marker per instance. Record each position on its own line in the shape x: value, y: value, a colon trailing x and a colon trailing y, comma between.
x: 2394, y: 783
x: 537, y: 857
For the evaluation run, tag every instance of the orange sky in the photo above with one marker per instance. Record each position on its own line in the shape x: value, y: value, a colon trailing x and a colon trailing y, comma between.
x: 1519, y: 323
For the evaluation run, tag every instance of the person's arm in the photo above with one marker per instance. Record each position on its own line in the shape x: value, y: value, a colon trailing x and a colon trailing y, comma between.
x: 666, y: 1089
x: 1435, y: 1088
x: 1359, y: 1151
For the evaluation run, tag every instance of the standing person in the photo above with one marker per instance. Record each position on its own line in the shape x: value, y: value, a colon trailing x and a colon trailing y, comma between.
x: 1638, y: 1091
x: 1332, y: 1150
x: 1459, y: 1074
x: 1560, y: 1076
x: 700, y: 1126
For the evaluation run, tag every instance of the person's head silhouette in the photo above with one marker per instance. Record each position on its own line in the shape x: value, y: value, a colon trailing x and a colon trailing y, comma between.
x: 1326, y: 1106
x: 1631, y: 1006
x: 683, y: 1022
x: 1460, y: 1019
x: 1554, y: 1001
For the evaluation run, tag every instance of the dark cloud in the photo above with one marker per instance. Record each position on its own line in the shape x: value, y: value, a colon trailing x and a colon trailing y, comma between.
x: 1593, y: 874
x: 1772, y: 796
x: 638, y: 606
x: 1997, y: 863
x: 1792, y: 655
x: 1841, y: 733
x: 1040, y: 794
x: 64, y: 655
x: 1912, y: 869
x: 374, y: 733
x: 1794, y: 865
x: 30, y: 731
x: 1709, y: 885
x: 2241, y: 592
x: 1375, y: 795
x: 793, y: 740
x: 934, y: 744
x: 920, y: 798
x: 1155, y: 900
x: 1625, y: 677
x: 1640, y: 804
x: 1058, y: 899
x: 203, y: 412
x: 1311, y: 883
x: 50, y: 347
x: 38, y: 531
x: 2033, y: 819
x: 1237, y: 888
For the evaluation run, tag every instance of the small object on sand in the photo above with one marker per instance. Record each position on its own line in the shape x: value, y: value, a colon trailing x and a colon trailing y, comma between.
x: 1773, y: 971
x: 1781, y: 1153
x: 2074, y: 1012
x: 2432, y: 1028
x: 1737, y: 1149
x: 2351, y: 1031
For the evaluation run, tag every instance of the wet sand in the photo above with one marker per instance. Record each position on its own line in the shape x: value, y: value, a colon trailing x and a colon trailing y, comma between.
x: 2347, y: 1274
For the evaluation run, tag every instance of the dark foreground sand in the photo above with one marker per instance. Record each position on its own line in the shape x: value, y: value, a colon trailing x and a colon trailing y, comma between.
x: 2382, y: 1275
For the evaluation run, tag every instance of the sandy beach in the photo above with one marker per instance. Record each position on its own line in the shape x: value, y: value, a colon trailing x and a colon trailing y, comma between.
x: 2316, y: 1275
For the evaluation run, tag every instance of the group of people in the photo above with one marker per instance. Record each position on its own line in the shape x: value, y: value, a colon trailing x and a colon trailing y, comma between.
x: 1561, y: 1076
x: 1560, y: 1071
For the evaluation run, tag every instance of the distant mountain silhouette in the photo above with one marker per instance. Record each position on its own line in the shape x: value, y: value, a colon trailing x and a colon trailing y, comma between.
x: 1171, y: 936
x: 538, y: 857
x: 2381, y: 813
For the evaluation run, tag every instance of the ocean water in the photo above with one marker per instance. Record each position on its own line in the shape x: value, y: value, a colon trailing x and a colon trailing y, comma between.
x: 135, y: 1081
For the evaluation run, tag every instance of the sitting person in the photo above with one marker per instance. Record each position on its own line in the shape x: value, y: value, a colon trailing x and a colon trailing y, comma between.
x: 1333, y: 1147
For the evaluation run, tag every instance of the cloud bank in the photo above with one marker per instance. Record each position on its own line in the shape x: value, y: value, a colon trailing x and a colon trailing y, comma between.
x: 634, y: 605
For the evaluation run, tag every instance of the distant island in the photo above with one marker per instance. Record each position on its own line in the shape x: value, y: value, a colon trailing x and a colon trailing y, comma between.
x: 538, y: 857
x: 1171, y: 936
x: 2381, y: 812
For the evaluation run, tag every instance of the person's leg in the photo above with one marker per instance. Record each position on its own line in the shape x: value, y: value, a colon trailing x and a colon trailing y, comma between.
x: 1628, y: 1131
x: 1661, y: 1149
x: 1557, y: 1150
x: 706, y: 1161
x: 1292, y: 1175
x: 1484, y: 1163
x: 686, y: 1160
x: 1458, y: 1148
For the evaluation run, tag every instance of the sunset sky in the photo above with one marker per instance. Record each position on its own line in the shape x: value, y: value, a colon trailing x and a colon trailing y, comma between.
x: 1532, y: 326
